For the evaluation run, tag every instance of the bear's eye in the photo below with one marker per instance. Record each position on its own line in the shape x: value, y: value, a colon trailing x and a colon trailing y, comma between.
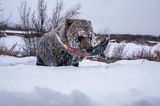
x: 80, y: 38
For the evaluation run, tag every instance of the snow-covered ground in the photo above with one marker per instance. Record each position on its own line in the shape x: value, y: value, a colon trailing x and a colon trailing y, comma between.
x: 124, y: 83
x: 131, y: 48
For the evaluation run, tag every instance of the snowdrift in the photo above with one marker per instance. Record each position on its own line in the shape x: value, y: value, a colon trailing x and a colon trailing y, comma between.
x: 124, y: 83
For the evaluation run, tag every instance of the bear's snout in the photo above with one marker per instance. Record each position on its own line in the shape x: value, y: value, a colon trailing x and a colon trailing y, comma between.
x: 89, y: 49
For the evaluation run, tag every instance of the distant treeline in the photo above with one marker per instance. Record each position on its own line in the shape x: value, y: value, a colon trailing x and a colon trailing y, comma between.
x: 15, y: 27
x: 131, y: 37
x: 117, y: 37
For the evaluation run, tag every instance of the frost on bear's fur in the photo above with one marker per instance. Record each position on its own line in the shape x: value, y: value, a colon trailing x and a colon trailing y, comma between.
x: 74, y: 33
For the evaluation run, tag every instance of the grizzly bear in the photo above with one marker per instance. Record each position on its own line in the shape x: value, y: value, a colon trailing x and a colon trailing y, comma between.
x: 68, y: 44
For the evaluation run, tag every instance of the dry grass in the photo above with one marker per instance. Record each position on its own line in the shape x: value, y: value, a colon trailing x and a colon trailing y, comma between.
x: 4, y: 50
x: 30, y: 46
x: 143, y: 53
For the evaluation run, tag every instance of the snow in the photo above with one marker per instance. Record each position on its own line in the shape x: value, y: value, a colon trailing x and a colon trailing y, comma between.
x: 124, y: 83
x: 130, y: 48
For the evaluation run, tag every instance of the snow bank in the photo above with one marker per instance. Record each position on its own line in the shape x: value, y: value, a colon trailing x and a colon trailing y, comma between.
x: 44, y: 97
x: 47, y: 97
x: 12, y: 61
x: 124, y: 83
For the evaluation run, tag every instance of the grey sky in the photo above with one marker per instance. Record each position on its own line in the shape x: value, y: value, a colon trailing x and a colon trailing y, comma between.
x: 113, y: 16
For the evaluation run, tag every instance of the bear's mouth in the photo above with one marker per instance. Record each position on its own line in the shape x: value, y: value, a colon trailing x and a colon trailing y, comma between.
x: 88, y: 49
x: 84, y: 45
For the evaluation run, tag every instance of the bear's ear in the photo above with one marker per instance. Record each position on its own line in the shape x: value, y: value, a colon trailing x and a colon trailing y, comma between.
x: 90, y: 22
x: 69, y: 22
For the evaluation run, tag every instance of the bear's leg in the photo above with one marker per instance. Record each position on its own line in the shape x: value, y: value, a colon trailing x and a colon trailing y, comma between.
x: 40, y: 62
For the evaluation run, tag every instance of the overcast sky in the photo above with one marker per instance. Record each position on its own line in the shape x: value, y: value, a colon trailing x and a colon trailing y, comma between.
x: 112, y: 16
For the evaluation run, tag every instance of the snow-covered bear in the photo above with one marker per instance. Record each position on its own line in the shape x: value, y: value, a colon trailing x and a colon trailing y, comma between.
x: 68, y: 45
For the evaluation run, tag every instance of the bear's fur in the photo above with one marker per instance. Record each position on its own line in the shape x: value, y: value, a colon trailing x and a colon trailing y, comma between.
x: 74, y: 33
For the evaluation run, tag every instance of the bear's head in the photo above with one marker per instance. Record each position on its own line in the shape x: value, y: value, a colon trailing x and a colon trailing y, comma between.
x: 78, y: 34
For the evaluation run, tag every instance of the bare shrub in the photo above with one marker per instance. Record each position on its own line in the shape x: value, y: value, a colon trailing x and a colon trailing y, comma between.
x: 59, y: 16
x: 30, y: 46
x: 56, y: 15
x: 24, y: 12
x: 119, y: 51
x: 39, y: 17
x: 4, y: 50
x: 37, y: 22
x: 143, y: 53
x: 41, y: 23
x: 3, y: 21
x: 72, y: 12
x: 1, y: 10
x: 157, y: 54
